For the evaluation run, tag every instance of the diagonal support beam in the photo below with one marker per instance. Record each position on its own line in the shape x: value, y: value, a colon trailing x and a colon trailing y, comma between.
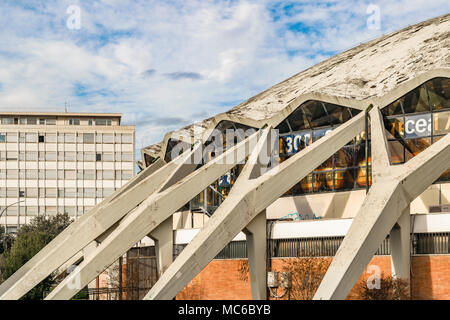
x: 380, y: 150
x: 87, y: 228
x: 382, y: 208
x: 148, y: 215
x: 249, y: 196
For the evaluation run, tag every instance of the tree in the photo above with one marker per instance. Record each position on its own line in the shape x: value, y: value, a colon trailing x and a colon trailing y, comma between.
x: 31, y: 238
x: 6, y: 240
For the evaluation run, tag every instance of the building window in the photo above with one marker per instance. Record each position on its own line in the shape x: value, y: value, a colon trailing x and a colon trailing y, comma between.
x: 88, y: 138
x: 41, y: 139
x: 98, y: 157
x: 90, y: 122
x: 7, y: 120
x: 74, y: 122
x: 102, y: 122
x: 41, y: 121
x: 2, y: 137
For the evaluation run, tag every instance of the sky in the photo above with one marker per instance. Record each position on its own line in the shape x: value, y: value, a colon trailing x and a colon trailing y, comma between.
x: 167, y: 64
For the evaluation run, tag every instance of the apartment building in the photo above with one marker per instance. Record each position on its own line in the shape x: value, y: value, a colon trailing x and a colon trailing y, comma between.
x: 60, y: 163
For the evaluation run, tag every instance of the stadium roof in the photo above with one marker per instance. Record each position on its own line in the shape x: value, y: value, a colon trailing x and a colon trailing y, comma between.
x: 366, y: 72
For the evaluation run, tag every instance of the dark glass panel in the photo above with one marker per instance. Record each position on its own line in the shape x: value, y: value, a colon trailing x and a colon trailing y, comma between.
x: 337, y: 114
x: 327, y: 165
x: 316, y: 114
x: 323, y: 181
x: 344, y: 179
x: 361, y: 177
x: 345, y: 157
x: 394, y: 128
x: 304, y: 186
x: 283, y: 127
x: 298, y: 120
x: 396, y: 150
x: 415, y: 146
x: 360, y: 137
x: 360, y: 154
x: 439, y: 93
x: 283, y: 146
x: 395, y: 108
x: 416, y: 101
x: 441, y: 123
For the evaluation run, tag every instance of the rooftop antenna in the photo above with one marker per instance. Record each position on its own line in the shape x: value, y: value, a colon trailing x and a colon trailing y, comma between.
x: 65, y: 106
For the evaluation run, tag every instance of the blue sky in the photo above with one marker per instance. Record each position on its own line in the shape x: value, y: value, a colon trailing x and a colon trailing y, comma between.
x: 166, y: 64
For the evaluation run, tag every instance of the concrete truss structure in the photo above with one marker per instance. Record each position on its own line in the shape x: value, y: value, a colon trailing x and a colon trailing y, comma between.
x: 146, y: 204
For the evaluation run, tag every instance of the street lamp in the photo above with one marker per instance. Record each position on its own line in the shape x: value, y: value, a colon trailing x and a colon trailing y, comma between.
x: 1, y: 213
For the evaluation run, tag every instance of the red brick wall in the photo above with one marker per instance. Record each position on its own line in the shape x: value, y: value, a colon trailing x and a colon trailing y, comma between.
x: 221, y: 279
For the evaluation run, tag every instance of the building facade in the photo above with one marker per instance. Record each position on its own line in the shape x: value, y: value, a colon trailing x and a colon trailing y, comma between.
x: 60, y: 163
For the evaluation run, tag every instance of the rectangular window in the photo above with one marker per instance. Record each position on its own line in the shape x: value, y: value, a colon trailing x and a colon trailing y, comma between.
x: 31, y: 121
x: 12, y: 193
x: 50, y: 174
x: 74, y: 122
x: 98, y: 157
x: 127, y: 175
x: 70, y: 174
x: 89, y: 174
x: 32, y: 192
x: 127, y: 157
x: 88, y: 138
x: 7, y: 120
x: 12, y: 174
x: 51, y: 122
x: 108, y: 138
x: 11, y: 155
x: 127, y: 138
x: 11, y: 137
x: 31, y: 137
x: 102, y: 122
x: 108, y: 175
x: 70, y: 192
x: 89, y: 156
x: 50, y: 137
x: 69, y: 138
x: 108, y: 156
x: 50, y: 156
x: 31, y: 174
x: 2, y: 137
x: 42, y: 121
x: 69, y: 156
x: 31, y: 155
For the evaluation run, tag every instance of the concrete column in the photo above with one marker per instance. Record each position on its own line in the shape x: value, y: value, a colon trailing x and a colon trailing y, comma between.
x: 163, y: 237
x: 400, y: 246
x: 256, y: 235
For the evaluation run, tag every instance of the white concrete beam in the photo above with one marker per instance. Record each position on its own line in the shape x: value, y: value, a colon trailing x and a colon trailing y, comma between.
x: 148, y: 215
x: 249, y: 196
x: 381, y: 162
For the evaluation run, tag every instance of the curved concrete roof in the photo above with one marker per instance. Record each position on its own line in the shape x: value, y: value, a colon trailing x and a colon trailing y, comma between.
x: 365, y: 73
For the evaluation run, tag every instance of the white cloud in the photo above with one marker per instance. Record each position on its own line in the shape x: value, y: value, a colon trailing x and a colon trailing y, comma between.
x: 120, y: 59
